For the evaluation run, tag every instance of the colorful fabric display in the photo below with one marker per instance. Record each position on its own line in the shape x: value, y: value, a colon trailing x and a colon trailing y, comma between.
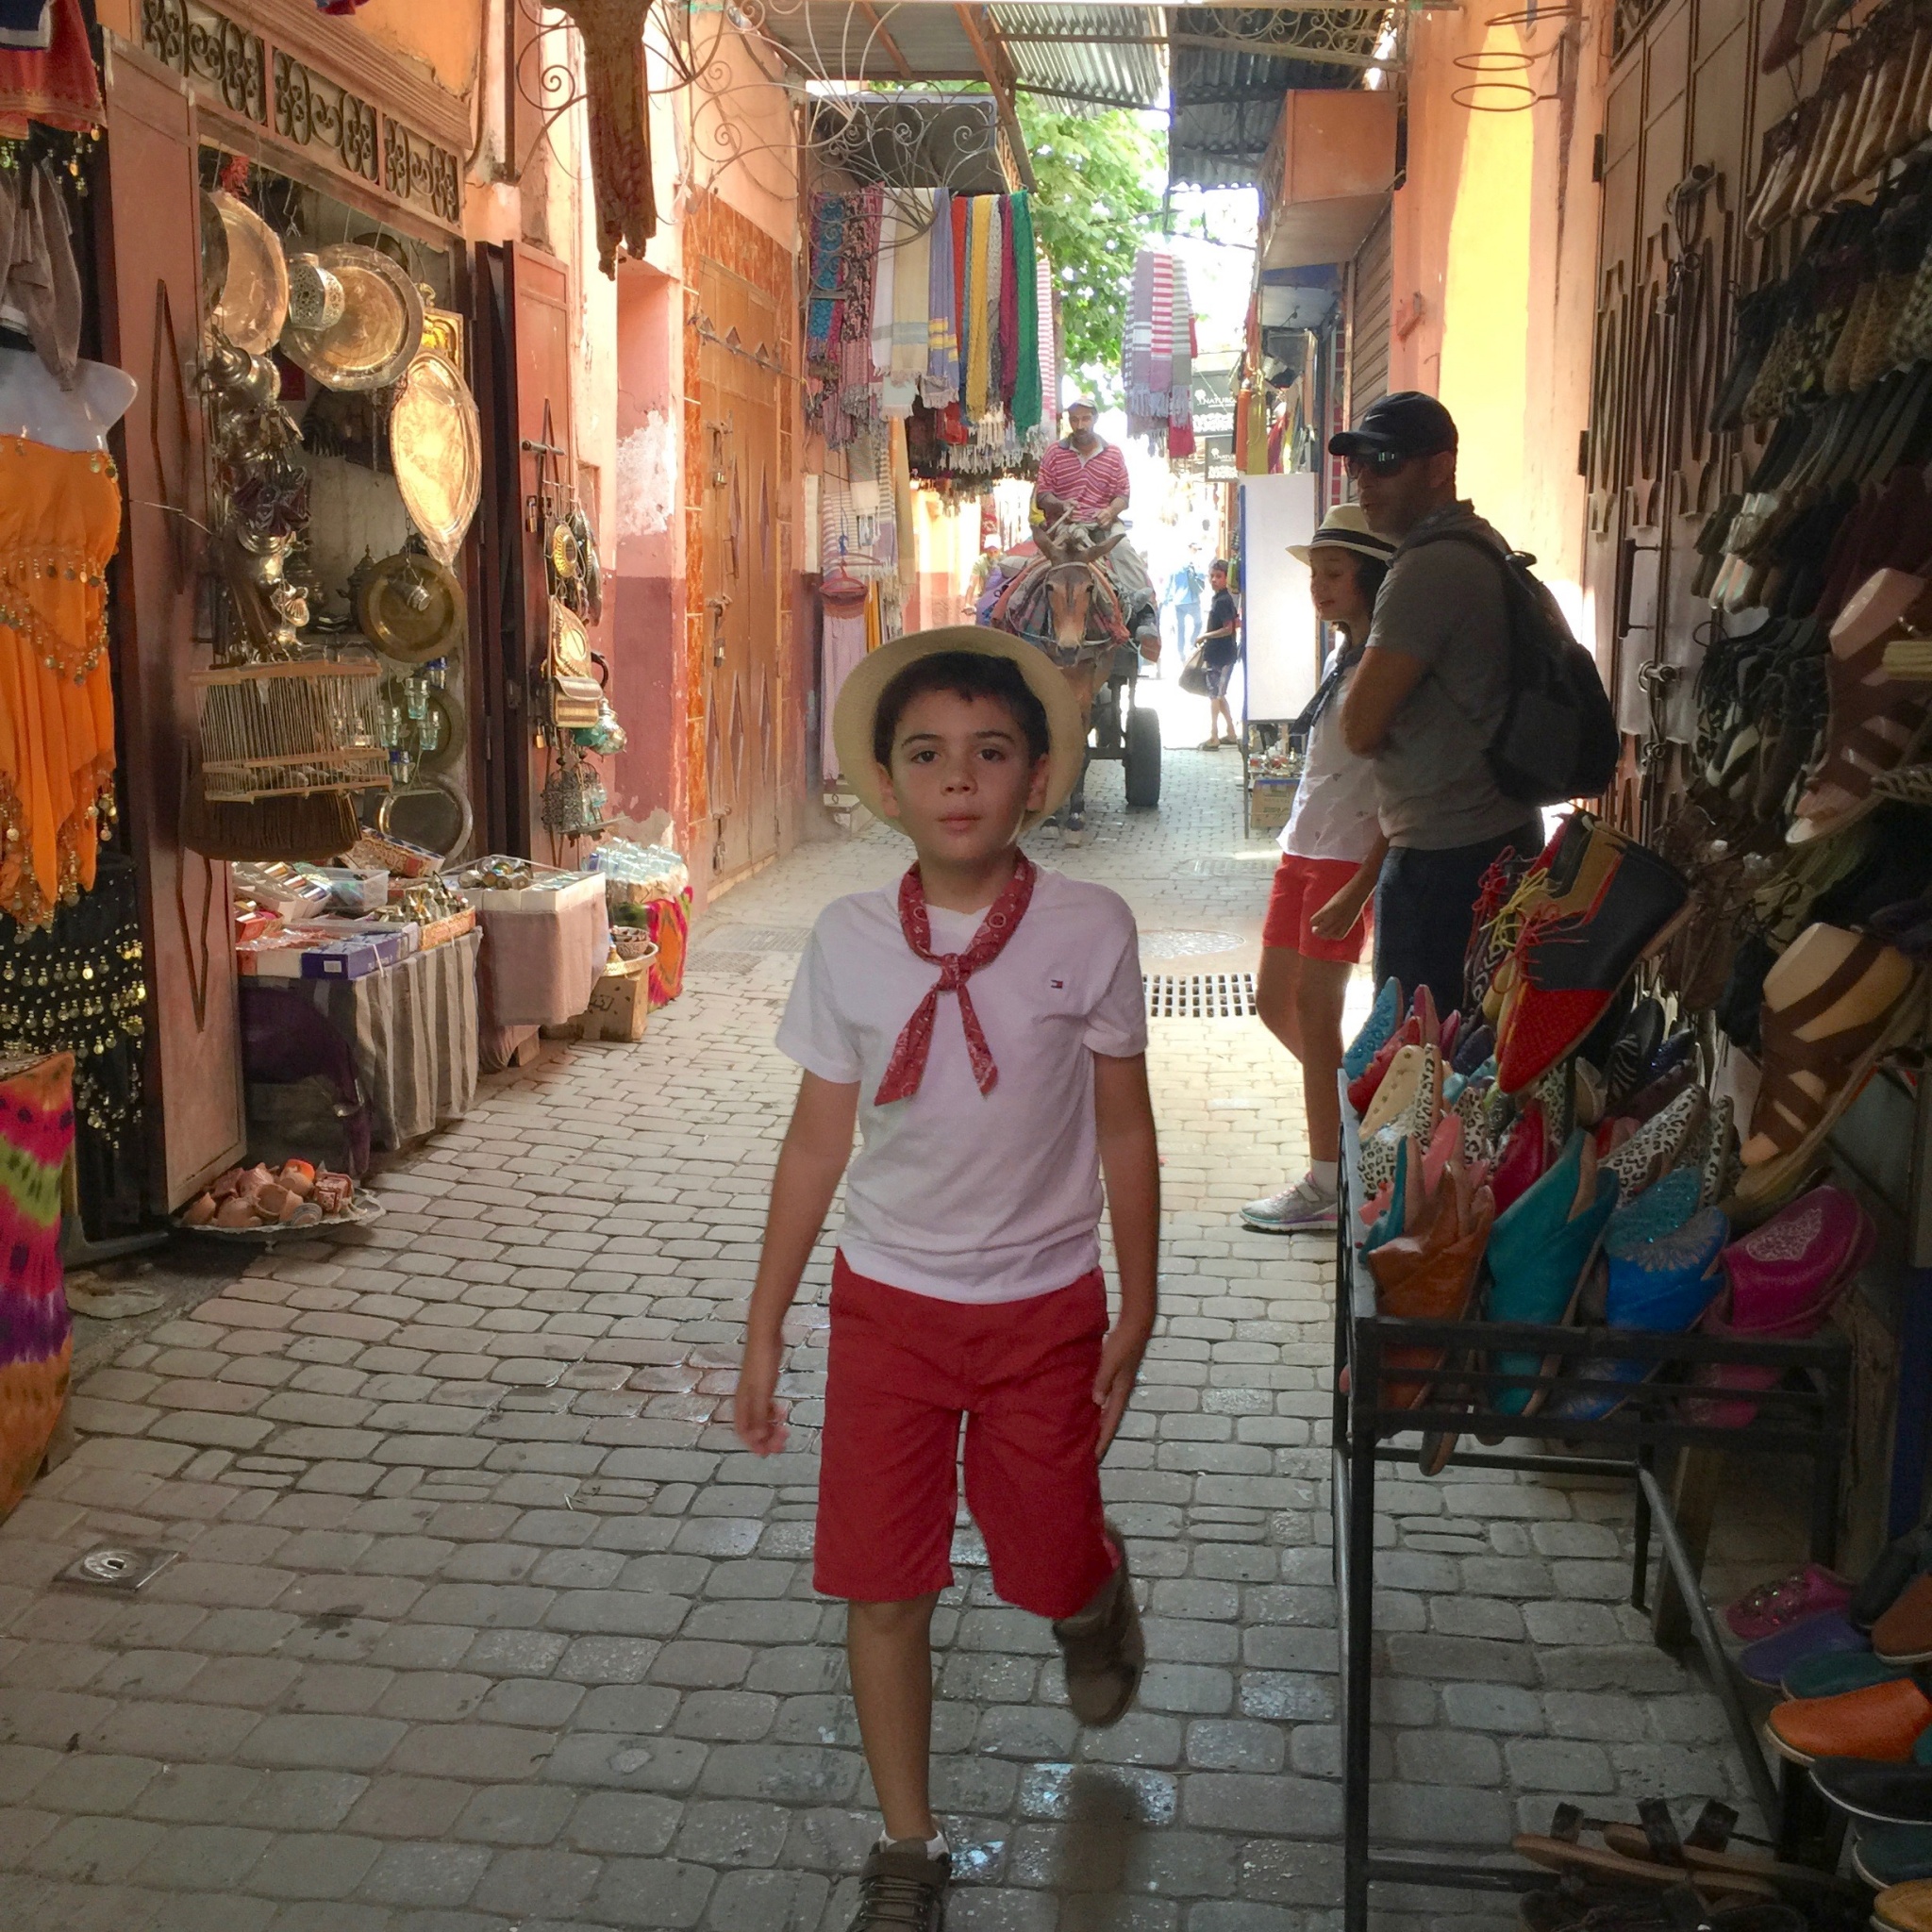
x: 1157, y: 356
x: 36, y: 1331
x: 925, y: 299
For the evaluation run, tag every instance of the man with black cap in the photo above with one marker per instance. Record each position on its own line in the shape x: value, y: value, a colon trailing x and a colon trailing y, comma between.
x: 1430, y: 694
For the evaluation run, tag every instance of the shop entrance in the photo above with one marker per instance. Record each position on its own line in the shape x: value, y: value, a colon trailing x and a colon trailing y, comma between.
x: 738, y: 402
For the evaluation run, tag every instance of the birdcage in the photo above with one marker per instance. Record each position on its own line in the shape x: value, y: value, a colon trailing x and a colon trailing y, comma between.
x: 295, y: 725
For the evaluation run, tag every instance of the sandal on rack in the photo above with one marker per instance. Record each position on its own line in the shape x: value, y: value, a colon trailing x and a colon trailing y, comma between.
x: 1833, y: 1004
x: 1877, y: 722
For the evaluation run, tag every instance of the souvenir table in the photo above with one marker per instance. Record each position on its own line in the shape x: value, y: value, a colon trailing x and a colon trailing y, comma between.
x: 412, y: 1028
x: 543, y: 951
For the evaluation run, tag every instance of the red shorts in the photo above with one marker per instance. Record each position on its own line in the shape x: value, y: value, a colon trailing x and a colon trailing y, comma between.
x: 1302, y: 886
x: 904, y: 1369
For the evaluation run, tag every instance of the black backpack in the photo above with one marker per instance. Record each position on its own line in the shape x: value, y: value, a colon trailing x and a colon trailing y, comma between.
x: 1559, y: 737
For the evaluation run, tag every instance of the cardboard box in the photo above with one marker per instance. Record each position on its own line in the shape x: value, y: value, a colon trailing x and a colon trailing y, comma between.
x: 620, y: 1005
x: 348, y: 958
x: 1271, y: 802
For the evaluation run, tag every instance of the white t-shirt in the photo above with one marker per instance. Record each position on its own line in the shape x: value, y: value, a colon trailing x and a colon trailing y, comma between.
x: 965, y: 1196
x: 1335, y: 814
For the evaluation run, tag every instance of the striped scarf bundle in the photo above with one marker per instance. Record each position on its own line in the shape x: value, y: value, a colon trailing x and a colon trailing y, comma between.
x: 1159, y: 353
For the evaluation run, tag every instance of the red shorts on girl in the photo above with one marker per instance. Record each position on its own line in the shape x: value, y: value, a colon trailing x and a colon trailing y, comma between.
x: 905, y: 1370
x: 1302, y: 886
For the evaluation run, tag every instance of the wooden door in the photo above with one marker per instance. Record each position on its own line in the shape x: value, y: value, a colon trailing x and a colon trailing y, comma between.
x: 738, y: 402
x: 149, y: 232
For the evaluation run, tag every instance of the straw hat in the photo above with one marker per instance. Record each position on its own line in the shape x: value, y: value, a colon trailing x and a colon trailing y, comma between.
x: 1346, y: 527
x: 858, y: 702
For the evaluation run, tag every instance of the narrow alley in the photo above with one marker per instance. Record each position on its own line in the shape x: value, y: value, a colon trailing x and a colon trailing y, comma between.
x: 481, y: 1620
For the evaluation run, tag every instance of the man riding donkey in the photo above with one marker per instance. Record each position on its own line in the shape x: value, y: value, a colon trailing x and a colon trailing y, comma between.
x: 1086, y: 591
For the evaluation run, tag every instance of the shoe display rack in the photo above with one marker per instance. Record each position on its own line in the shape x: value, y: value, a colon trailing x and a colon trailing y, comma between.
x: 1806, y: 1414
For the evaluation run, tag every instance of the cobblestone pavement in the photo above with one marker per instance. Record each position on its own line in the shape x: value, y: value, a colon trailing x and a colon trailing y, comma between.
x: 482, y: 1621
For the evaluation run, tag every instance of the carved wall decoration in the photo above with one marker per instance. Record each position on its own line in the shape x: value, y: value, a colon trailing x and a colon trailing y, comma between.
x: 312, y: 112
x: 234, y: 68
x: 1610, y: 386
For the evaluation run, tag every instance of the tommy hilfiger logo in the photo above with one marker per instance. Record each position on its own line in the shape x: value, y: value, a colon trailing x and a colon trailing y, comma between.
x: 1058, y: 985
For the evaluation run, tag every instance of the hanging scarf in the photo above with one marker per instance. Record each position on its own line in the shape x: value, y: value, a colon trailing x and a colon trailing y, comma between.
x: 1010, y: 303
x: 913, y: 295
x: 995, y: 259
x: 1049, y: 423
x: 906, y: 1068
x: 962, y: 315
x: 1137, y: 340
x: 1180, y: 392
x: 821, y: 316
x: 942, y: 384
x: 1026, y: 386
x: 972, y: 310
x: 884, y: 282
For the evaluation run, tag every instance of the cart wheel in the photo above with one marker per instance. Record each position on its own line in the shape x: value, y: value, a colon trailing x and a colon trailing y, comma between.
x: 1141, y: 776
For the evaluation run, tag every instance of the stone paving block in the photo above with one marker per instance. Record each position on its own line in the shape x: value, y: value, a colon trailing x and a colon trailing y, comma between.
x: 650, y: 1893
x: 624, y: 1825
x: 527, y: 1882
x: 425, y: 1875
x: 515, y: 1815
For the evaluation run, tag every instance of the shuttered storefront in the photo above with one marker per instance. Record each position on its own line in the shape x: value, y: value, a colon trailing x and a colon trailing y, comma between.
x: 1371, y: 282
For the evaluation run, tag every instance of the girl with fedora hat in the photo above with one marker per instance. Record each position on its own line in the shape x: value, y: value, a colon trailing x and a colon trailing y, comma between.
x: 1331, y: 853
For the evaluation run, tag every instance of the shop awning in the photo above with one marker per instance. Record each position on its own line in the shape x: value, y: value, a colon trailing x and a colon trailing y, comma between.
x: 1223, y: 70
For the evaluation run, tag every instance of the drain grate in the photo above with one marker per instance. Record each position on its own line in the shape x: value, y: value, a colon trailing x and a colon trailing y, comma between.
x: 1200, y: 995
x: 1229, y: 865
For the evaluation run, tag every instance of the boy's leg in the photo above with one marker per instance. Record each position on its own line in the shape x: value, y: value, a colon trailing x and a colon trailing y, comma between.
x: 1033, y: 1484
x: 889, y: 1652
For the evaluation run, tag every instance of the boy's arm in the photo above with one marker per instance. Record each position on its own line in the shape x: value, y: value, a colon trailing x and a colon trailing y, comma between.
x: 818, y: 1143
x: 1130, y: 1163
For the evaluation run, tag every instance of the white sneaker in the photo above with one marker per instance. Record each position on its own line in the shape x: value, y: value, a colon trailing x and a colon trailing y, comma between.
x: 1304, y: 1209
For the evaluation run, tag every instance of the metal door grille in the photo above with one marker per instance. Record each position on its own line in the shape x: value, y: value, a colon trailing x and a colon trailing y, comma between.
x: 1199, y: 995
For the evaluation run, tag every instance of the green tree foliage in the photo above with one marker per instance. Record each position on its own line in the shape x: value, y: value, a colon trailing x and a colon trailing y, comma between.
x: 1096, y: 206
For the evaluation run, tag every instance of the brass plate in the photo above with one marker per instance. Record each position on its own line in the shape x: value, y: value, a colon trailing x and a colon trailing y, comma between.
x: 411, y: 608
x: 563, y: 551
x: 381, y: 327
x: 455, y: 737
x: 246, y: 270
x: 435, y: 443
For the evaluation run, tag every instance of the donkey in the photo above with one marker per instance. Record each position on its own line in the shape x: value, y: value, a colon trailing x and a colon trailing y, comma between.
x: 1069, y: 602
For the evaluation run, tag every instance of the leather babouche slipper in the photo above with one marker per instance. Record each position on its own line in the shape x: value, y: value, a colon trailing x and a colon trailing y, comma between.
x: 1881, y: 1794
x: 1885, y: 1855
x: 1384, y: 1017
x: 1904, y: 1908
x: 1828, y: 1634
x: 1655, y: 1147
x: 1810, y: 1077
x: 1429, y: 1275
x: 1659, y: 1286
x: 1832, y: 1671
x: 1539, y: 1250
x: 1608, y: 900
x: 1882, y: 1722
x: 1904, y: 1633
x: 1787, y: 1600
x: 1784, y: 1280
x: 1881, y: 1586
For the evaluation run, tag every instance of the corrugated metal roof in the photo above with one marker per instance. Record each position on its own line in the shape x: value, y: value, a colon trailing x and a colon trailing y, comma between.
x: 1226, y: 103
x: 1090, y: 58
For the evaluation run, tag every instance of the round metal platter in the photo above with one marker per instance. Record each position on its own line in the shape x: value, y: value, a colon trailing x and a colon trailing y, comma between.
x: 380, y: 330
x: 411, y: 608
x: 435, y: 443
x: 246, y: 270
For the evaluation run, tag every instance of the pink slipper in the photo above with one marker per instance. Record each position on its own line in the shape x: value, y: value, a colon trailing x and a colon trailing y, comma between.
x: 1776, y: 1606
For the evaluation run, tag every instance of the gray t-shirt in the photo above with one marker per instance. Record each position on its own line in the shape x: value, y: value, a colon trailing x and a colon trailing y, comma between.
x: 1443, y: 603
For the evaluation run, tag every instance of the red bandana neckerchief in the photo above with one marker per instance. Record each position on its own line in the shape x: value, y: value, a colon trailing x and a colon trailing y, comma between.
x: 907, y: 1067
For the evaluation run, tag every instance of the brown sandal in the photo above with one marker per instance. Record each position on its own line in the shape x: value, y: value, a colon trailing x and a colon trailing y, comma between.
x: 1877, y: 722
x: 1787, y: 1114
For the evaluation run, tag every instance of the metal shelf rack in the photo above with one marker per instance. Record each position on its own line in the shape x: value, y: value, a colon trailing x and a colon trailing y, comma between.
x: 1806, y: 1415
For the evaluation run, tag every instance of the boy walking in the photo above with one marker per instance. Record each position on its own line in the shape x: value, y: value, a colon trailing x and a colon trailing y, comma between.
x: 982, y: 1024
